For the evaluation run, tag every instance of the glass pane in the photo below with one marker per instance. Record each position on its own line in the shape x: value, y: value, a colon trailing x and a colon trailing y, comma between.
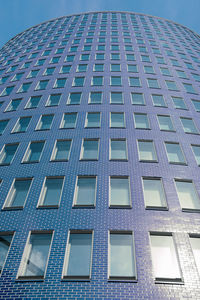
x: 119, y: 191
x: 165, y: 262
x: 179, y: 103
x: 3, y: 125
x: 34, y: 152
x: 146, y: 151
x: 33, y: 102
x: 45, y: 122
x: 36, y: 255
x: 52, y: 191
x: 18, y: 193
x: 8, y: 153
x: 5, y: 241
x: 79, y: 255
x: 95, y: 97
x: 116, y: 98
x: 187, y: 195
x: 85, y: 191
x: 121, y: 256
x: 62, y: 150
x: 154, y: 195
x: 53, y: 100
x: 165, y: 123
x: 117, y: 120
x: 195, y: 243
x: 158, y: 100
x: 75, y: 98
x: 137, y: 99
x: 141, y: 121
x: 69, y: 120
x: 22, y: 124
x: 188, y: 125
x: 174, y: 153
x: 196, y: 150
x: 90, y: 149
x: 93, y: 120
x: 118, y: 149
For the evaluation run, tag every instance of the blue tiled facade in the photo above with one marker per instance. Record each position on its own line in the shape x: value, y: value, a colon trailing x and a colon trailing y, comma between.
x: 134, y: 38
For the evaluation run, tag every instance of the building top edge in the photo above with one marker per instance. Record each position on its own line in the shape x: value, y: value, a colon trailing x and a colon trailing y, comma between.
x: 106, y: 11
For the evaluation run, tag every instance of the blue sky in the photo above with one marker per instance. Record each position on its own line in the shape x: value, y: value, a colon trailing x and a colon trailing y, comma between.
x: 18, y: 15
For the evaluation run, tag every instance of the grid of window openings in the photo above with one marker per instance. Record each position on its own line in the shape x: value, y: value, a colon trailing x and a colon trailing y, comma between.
x: 99, y: 119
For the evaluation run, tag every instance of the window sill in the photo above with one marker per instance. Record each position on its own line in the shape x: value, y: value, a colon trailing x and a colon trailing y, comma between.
x: 47, y: 206
x: 78, y: 206
x: 122, y: 279
x: 33, y: 278
x: 115, y: 206
x: 12, y: 208
x: 169, y: 281
x: 148, y: 161
x: 75, y: 278
x: 159, y: 208
x: 191, y: 210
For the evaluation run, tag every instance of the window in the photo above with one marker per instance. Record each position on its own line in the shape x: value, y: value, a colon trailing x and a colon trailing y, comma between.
x: 54, y: 60
x: 115, y: 67
x: 93, y: 120
x: 65, y: 69
x: 33, y: 74
x: 34, y: 261
x: 78, y: 256
x: 74, y: 98
x: 95, y: 98
x: 141, y: 121
x: 154, y: 195
x: 118, y: 149
x: 53, y: 100
x: 45, y: 122
x: 196, y: 104
x: 5, y: 242
x: 81, y: 68
x: 85, y: 57
x: 116, y: 80
x: 16, y: 77
x: 187, y: 194
x: 78, y: 81
x: 69, y: 120
x: 3, y: 124
x: 174, y: 153
x: 165, y: 123
x: 51, y: 192
x: 137, y: 99
x: 121, y: 256
x: 40, y: 62
x: 164, y: 257
x: 24, y: 87
x: 69, y: 58
x: 61, y: 150
x: 119, y: 191
x: 134, y: 81
x: 18, y: 193
x: 171, y: 85
x: 22, y: 124
x: 160, y: 60
x: 181, y: 74
x: 116, y: 98
x: 158, y: 100
x: 132, y: 68
x: 165, y: 71
x: 99, y: 56
x: 90, y: 149
x: 146, y: 150
x: 42, y: 84
x: 115, y: 56
x: 33, y: 152
x: 98, y: 67
x: 196, y: 151
x: 59, y: 83
x: 7, y: 91
x: 117, y: 120
x: 149, y: 70
x: 189, y: 88
x: 153, y: 83
x: 189, y: 126
x: 195, y: 244
x: 85, y: 191
x: 97, y: 80
x: 7, y: 154
x: 179, y: 103
x: 196, y: 76
x: 145, y: 58
x: 130, y: 57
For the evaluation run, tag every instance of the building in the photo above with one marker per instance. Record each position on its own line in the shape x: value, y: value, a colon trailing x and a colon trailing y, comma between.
x: 99, y: 159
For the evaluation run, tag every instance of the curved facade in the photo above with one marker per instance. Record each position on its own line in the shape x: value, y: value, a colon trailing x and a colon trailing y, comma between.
x: 99, y: 161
